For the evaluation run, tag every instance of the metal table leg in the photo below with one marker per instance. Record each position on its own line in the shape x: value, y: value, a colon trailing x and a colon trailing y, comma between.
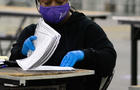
x: 1, y: 52
x: 133, y: 56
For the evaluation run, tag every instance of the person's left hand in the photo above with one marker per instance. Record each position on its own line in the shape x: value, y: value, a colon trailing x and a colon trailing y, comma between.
x: 71, y: 58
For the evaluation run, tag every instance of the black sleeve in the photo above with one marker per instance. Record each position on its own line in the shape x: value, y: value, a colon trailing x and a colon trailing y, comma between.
x: 16, y: 49
x: 99, y: 51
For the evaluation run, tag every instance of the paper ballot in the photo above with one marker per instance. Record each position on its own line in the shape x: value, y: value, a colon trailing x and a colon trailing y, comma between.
x: 46, y: 43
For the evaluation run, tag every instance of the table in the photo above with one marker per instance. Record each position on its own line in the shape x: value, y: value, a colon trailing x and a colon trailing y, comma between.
x: 32, y: 12
x: 95, y: 14
x: 20, y: 78
x: 26, y: 12
x: 134, y: 87
x: 134, y: 21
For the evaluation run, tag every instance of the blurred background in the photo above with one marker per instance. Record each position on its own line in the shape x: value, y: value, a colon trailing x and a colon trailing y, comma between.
x: 117, y: 7
x: 119, y: 34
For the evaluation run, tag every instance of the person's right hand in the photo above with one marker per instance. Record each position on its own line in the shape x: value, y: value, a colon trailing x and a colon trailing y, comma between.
x: 28, y: 45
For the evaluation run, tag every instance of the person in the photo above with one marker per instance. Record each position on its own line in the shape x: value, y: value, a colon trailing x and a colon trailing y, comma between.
x: 83, y: 43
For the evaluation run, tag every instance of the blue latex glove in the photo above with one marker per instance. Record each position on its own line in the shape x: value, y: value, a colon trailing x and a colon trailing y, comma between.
x: 28, y: 45
x: 71, y: 58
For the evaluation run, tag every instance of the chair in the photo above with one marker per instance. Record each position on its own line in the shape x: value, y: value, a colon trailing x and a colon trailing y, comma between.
x: 19, y: 3
x: 105, y: 81
x: 10, y: 38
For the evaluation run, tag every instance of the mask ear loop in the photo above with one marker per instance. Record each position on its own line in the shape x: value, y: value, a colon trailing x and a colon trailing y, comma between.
x: 69, y: 3
x: 37, y: 5
x: 72, y: 9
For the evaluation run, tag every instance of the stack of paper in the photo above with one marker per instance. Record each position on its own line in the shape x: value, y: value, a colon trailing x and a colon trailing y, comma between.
x: 46, y: 43
x: 3, y: 59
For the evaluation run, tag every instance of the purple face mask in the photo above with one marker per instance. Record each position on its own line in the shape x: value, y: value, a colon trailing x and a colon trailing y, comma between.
x: 54, y: 14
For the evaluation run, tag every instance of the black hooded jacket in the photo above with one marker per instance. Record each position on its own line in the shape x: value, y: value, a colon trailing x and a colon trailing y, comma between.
x: 78, y: 33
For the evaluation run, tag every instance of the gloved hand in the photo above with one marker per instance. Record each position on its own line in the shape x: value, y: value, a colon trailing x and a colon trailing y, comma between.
x: 71, y: 58
x: 28, y: 45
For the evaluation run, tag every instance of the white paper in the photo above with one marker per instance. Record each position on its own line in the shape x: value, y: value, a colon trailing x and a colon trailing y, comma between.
x: 2, y: 61
x: 46, y: 43
x: 52, y: 68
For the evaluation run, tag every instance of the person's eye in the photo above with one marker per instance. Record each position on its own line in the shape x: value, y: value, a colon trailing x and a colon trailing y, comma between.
x: 60, y: 3
x: 47, y: 3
